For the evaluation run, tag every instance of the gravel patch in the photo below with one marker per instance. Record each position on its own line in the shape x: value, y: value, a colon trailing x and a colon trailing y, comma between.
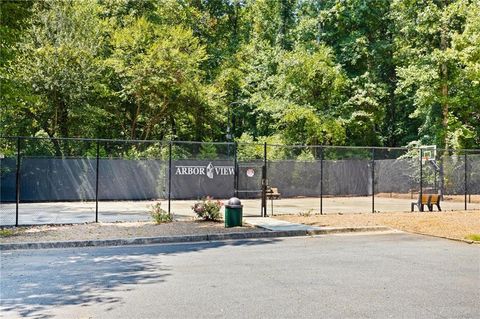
x: 93, y: 231
x: 458, y: 225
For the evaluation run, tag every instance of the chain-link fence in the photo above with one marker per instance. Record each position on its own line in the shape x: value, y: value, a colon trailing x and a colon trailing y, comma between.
x: 199, y: 170
x: 51, y: 181
x: 132, y: 176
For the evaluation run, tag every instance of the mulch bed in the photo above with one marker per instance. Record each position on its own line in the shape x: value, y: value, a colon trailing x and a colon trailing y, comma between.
x: 92, y: 231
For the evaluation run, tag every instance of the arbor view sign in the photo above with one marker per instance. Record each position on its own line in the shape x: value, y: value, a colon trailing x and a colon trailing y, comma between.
x: 200, y: 178
x: 208, y: 170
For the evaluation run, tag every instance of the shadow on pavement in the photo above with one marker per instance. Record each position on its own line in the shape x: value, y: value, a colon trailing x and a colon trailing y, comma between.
x: 33, y: 282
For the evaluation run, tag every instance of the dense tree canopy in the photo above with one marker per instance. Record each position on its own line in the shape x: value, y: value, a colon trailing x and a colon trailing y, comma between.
x: 343, y: 72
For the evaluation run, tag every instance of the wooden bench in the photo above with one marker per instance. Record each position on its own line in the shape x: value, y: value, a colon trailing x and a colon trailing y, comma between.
x: 429, y: 200
x: 434, y: 200
x: 272, y: 193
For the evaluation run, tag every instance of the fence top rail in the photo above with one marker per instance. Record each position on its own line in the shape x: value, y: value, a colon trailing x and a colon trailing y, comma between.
x: 342, y: 147
x: 473, y: 150
x: 198, y: 142
x: 82, y: 139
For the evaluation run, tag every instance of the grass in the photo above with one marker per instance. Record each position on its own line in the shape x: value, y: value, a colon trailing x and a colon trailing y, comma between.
x: 6, y: 232
x: 475, y: 237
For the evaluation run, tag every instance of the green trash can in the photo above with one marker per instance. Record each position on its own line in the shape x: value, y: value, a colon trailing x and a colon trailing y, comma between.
x: 233, y: 213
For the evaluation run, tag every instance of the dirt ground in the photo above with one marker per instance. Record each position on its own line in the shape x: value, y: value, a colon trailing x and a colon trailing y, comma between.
x: 92, y: 231
x: 457, y: 225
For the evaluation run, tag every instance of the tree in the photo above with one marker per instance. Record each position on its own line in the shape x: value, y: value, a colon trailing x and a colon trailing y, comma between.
x: 13, y: 18
x: 56, y: 61
x: 159, y: 79
x: 360, y: 34
x: 429, y: 71
x: 466, y: 46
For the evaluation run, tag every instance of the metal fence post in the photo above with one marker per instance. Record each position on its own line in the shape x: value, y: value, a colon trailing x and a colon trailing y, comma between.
x: 465, y: 189
x: 321, y: 180
x: 373, y: 180
x: 96, y: 181
x: 17, y: 182
x: 235, y: 170
x: 169, y: 174
x: 264, y: 181
x: 421, y: 175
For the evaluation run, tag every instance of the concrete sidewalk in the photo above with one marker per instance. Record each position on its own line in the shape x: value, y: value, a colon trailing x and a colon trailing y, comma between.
x: 278, y: 225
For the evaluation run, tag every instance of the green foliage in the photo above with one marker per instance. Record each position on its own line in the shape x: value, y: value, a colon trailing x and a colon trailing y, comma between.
x: 343, y: 72
x: 208, y: 209
x: 430, y: 70
x: 208, y: 151
x: 301, y: 125
x: 56, y: 64
x: 305, y: 156
x: 249, y: 149
x: 160, y: 215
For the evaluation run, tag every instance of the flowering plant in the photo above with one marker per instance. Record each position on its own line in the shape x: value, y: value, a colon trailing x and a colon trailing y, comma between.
x: 159, y: 214
x: 208, y: 208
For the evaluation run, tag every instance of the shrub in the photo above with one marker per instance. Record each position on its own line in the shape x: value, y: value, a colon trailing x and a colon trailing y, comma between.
x: 159, y: 214
x: 208, y: 209
x: 306, y: 213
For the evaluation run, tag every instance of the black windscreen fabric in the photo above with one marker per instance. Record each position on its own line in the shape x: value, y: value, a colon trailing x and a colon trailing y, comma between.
x: 347, y: 172
x: 453, y: 167
x: 57, y: 179
x: 124, y: 179
x: 295, y: 178
x: 8, y: 169
x: 347, y: 177
x: 396, y: 171
x: 195, y: 179
x: 473, y: 173
x: 250, y: 179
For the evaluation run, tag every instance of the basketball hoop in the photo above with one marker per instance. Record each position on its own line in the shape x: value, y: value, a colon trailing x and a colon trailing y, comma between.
x: 429, y: 152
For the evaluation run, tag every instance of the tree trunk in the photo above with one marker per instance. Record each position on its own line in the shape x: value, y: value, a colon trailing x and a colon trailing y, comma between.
x: 134, y: 121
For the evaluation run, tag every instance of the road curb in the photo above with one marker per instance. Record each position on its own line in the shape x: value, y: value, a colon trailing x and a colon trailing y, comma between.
x: 336, y: 230
x: 468, y: 241
x: 186, y: 238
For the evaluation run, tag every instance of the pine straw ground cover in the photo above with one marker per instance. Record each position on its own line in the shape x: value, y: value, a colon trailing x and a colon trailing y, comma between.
x: 458, y: 225
x: 92, y: 231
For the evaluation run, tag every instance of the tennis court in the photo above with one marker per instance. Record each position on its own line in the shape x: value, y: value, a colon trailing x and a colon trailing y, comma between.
x: 113, y: 211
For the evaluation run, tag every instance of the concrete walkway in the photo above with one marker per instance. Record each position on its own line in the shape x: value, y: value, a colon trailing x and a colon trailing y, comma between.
x: 277, y: 225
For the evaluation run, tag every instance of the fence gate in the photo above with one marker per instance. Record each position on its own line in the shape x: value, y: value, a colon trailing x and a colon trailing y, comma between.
x: 249, y: 186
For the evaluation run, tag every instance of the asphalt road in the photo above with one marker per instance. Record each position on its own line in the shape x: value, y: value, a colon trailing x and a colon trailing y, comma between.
x: 348, y: 276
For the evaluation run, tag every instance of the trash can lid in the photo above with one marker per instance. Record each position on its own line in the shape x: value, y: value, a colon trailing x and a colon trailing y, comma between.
x: 234, y: 202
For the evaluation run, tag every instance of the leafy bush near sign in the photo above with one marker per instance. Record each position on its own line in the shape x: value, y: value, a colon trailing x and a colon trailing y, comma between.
x: 160, y: 215
x: 208, y: 209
